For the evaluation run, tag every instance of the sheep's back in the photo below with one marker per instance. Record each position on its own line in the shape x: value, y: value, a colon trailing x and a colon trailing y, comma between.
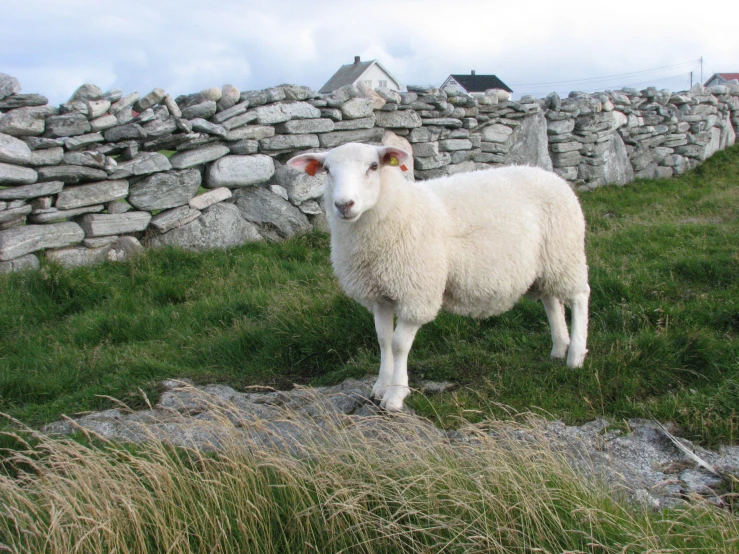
x: 512, y: 229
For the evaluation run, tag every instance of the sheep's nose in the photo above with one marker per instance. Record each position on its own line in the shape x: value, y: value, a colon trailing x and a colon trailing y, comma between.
x: 345, y: 207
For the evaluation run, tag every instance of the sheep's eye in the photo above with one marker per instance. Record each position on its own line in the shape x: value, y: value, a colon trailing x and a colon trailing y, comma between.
x: 326, y: 169
x: 373, y: 166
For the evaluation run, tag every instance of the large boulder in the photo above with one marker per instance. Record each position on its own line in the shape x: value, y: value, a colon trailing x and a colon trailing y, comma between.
x: 529, y: 143
x: 165, y: 190
x: 275, y: 217
x: 14, y: 151
x: 240, y: 171
x: 219, y: 226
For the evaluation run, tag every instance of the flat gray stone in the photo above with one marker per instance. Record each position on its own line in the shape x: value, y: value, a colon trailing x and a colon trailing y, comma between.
x: 401, y: 119
x: 43, y: 143
x: 94, y: 193
x: 204, y: 110
x: 11, y: 217
x: 14, y: 151
x: 176, y: 217
x: 25, y: 192
x: 304, y: 126
x: 278, y: 113
x: 25, y: 122
x: 98, y: 225
x: 71, y: 174
x: 17, y: 175
x: 240, y: 120
x: 130, y: 131
x: 232, y: 111
x: 89, y: 159
x: 190, y: 158
x: 48, y: 156
x: 160, y: 128
x: 240, y: 171
x: 251, y: 132
x: 220, y: 226
x: 97, y: 108
x: 165, y: 190
x: 269, y: 211
x: 337, y: 138
x: 81, y: 141
x: 20, y: 241
x: 202, y: 126
x: 290, y: 142
x: 28, y: 262
x: 67, y: 125
x: 63, y: 215
x: 209, y: 198
x: 143, y: 163
x: 244, y: 147
x: 443, y: 122
x: 77, y: 256
x: 352, y: 124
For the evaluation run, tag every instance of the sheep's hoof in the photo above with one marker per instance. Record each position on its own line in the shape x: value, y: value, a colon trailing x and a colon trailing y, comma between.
x: 576, y: 360
x: 393, y: 399
x: 379, y: 390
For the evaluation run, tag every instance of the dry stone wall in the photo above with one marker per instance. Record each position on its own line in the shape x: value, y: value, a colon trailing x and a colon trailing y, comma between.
x: 94, y: 178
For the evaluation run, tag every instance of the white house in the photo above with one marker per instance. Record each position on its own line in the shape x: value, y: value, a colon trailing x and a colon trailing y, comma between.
x: 372, y: 72
x: 723, y: 79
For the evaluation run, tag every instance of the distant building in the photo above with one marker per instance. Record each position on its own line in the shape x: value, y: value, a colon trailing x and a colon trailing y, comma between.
x: 723, y: 79
x: 372, y: 72
x: 474, y: 83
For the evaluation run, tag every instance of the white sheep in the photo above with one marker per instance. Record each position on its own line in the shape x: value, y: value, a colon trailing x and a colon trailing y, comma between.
x: 470, y: 244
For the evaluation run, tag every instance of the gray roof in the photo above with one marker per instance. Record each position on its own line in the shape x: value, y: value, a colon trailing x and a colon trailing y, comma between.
x: 347, y: 74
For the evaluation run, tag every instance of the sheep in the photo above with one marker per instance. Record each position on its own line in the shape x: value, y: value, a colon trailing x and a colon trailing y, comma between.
x: 470, y: 244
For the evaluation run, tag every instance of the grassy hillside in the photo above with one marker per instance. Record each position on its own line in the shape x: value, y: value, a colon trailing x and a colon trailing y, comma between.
x: 664, y: 267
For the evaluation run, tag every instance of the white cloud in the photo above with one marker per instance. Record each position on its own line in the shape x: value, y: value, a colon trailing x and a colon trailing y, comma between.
x: 185, y: 46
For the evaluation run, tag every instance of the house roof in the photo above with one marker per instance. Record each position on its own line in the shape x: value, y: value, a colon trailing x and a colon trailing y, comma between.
x: 349, y: 73
x: 725, y: 76
x: 480, y: 83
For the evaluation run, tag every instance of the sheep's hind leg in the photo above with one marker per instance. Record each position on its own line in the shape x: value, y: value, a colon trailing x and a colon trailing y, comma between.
x: 578, y: 346
x: 384, y: 328
x: 405, y: 333
x: 556, y: 314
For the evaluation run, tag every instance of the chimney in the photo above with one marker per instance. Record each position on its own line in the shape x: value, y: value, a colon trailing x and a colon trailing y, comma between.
x: 473, y: 72
x: 356, y: 60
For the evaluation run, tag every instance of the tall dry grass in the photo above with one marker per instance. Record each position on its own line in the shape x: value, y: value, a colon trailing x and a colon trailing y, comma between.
x: 380, y: 484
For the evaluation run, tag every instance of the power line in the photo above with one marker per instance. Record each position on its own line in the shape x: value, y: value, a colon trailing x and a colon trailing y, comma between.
x: 607, y: 77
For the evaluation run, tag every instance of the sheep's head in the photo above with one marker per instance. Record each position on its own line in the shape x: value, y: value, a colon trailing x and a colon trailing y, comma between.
x: 355, y: 174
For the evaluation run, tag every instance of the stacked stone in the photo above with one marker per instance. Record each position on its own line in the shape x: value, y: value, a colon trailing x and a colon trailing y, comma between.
x: 84, y: 181
x: 617, y: 136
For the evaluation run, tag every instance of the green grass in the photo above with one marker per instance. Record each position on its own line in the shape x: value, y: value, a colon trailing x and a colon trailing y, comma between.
x: 664, y: 270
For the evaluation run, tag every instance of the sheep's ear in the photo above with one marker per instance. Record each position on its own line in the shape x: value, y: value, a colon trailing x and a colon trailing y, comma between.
x: 310, y: 163
x: 394, y: 156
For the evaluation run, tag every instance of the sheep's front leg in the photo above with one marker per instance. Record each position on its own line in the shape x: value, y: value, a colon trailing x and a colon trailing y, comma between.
x: 384, y: 328
x: 403, y: 336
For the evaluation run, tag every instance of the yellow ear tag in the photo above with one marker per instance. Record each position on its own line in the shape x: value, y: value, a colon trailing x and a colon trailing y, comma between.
x: 394, y: 161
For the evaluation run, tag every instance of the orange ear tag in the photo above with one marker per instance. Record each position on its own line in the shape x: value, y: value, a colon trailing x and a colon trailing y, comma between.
x: 404, y: 167
x: 312, y: 167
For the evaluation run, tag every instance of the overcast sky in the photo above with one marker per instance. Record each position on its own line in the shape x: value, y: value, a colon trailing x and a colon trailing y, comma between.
x: 183, y: 46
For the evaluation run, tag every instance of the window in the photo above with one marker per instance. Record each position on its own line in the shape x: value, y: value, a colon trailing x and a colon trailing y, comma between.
x: 383, y: 84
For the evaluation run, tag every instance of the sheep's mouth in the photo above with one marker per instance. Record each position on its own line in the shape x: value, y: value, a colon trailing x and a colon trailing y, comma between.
x: 349, y: 218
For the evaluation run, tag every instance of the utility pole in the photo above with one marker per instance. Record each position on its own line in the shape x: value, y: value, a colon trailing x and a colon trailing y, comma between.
x: 701, y: 70
x: 691, y: 79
